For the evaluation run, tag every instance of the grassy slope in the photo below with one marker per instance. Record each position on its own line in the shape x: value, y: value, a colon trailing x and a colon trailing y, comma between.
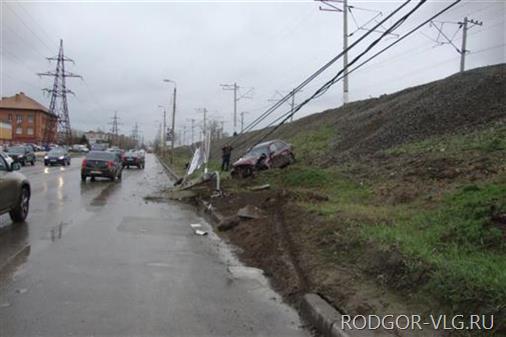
x: 436, y: 199
x: 448, y: 234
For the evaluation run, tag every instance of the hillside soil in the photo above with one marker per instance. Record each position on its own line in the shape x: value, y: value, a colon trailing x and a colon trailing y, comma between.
x: 395, y: 205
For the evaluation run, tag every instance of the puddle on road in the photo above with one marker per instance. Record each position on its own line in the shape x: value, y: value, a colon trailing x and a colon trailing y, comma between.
x: 56, y: 232
x: 151, y: 226
x: 248, y: 273
x: 101, y: 199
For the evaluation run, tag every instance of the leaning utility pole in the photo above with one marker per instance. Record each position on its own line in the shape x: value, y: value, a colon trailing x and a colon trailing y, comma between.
x: 465, y: 26
x: 236, y: 88
x: 61, y: 122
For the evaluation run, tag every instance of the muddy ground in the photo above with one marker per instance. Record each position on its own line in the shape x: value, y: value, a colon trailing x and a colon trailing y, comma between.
x: 284, y: 243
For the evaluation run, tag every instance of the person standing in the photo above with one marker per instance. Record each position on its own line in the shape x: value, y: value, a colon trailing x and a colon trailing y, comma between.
x: 226, y: 152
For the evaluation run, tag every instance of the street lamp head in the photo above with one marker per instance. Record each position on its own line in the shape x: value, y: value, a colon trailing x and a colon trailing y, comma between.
x: 169, y: 81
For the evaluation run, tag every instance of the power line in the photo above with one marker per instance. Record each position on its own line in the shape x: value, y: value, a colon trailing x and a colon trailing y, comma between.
x: 34, y: 50
x: 18, y: 79
x: 325, y: 87
x: 41, y: 28
x: 28, y: 27
x: 17, y: 60
x: 420, y: 70
x: 318, y: 72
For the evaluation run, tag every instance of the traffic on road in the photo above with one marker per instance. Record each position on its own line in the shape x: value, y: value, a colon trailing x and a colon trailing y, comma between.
x: 84, y: 252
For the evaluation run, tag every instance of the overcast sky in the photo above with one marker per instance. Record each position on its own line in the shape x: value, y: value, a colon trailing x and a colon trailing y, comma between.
x: 124, y: 50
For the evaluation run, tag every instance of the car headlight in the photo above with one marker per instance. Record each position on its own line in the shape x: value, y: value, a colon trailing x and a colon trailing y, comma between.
x: 61, y: 158
x: 20, y: 156
x: 46, y: 157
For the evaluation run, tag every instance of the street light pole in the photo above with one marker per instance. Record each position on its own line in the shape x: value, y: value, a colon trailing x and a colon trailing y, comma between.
x: 173, y: 120
x: 164, y: 141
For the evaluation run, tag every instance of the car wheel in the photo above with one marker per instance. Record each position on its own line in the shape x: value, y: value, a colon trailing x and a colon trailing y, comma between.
x: 32, y: 162
x: 68, y: 163
x: 45, y: 164
x: 92, y: 178
x: 291, y: 158
x: 20, y: 212
x: 23, y: 163
x: 245, y: 172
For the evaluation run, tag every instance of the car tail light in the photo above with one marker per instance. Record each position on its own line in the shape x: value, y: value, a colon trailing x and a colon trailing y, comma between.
x: 110, y: 164
x: 84, y: 163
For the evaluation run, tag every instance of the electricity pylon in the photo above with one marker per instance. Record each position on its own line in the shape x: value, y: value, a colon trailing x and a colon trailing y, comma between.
x: 61, y: 110
x: 114, y: 129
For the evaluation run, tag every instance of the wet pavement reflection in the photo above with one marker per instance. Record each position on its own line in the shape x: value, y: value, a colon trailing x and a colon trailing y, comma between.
x: 97, y: 259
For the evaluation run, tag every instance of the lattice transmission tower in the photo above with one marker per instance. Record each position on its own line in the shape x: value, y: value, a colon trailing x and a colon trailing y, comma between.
x: 58, y: 105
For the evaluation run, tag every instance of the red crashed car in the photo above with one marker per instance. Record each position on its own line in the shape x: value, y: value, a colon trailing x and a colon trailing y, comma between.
x: 271, y: 154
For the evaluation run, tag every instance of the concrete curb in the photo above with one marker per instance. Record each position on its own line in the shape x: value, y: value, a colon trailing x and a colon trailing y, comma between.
x: 326, y: 319
x: 167, y: 169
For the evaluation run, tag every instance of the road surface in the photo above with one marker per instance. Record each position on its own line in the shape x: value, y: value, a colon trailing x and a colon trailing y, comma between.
x: 97, y: 259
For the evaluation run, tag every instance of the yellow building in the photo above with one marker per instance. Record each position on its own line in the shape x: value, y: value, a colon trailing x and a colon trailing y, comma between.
x: 5, y: 132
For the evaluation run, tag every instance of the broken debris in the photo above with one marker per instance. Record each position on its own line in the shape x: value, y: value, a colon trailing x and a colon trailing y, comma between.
x: 228, y: 223
x: 196, y: 229
x: 250, y: 212
x: 260, y: 187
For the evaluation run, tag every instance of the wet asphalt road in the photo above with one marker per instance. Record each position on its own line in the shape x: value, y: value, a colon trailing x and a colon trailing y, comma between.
x: 96, y: 259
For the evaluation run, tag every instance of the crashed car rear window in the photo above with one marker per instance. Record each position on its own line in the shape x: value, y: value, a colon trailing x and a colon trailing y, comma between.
x: 259, y: 150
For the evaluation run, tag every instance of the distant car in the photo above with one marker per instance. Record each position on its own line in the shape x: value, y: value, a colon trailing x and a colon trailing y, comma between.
x: 22, y: 154
x: 101, y: 164
x: 99, y: 147
x: 117, y: 150
x: 57, y: 156
x: 133, y: 158
x: 271, y: 154
x: 79, y: 148
x: 14, y: 190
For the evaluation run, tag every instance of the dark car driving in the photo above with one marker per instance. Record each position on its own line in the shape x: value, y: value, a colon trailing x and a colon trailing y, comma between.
x: 14, y: 190
x: 101, y: 164
x: 57, y: 156
x: 271, y: 154
x: 22, y: 154
x: 133, y: 158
